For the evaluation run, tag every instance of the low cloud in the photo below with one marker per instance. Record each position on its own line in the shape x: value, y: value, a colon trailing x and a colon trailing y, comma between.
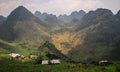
x: 57, y: 6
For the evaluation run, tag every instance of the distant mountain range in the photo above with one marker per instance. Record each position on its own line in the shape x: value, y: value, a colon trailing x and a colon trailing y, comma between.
x: 81, y: 36
x: 73, y: 17
x: 52, y: 19
x: 49, y: 19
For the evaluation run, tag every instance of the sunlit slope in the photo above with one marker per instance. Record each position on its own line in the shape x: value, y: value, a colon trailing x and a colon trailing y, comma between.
x: 6, y: 47
x: 65, y: 41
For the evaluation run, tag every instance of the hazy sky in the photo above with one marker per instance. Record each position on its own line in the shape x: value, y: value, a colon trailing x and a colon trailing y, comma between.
x: 58, y: 6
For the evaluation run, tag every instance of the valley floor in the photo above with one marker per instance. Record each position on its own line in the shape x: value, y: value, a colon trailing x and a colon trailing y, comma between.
x: 7, y: 65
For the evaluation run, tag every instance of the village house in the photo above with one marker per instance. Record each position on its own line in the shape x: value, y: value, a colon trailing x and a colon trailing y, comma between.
x: 45, y: 62
x: 14, y: 55
x: 104, y: 62
x: 33, y: 57
x: 55, y: 61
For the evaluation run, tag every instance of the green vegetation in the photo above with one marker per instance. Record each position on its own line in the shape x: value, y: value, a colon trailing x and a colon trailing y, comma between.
x: 7, y: 65
x: 6, y: 47
x: 92, y: 37
x: 49, y: 47
x: 100, y: 31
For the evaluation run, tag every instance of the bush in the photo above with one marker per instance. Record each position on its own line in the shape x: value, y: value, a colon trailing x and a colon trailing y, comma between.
x: 39, y: 60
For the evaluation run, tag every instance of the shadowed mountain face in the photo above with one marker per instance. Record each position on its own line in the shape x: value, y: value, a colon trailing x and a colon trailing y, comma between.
x: 2, y: 19
x: 118, y: 13
x: 94, y: 17
x: 20, y: 14
x: 100, y: 30
x: 21, y: 24
x: 87, y: 36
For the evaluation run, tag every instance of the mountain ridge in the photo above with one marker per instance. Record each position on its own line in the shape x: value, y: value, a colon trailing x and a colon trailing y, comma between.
x: 75, y: 15
x: 92, y: 37
x: 21, y: 24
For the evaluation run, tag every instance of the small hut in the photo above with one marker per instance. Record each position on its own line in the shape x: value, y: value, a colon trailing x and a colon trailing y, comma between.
x: 45, y: 62
x: 15, y: 56
x: 33, y: 57
x: 104, y: 62
x: 55, y: 61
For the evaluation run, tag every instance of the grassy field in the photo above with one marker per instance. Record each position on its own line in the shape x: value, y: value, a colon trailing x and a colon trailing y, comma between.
x: 7, y: 65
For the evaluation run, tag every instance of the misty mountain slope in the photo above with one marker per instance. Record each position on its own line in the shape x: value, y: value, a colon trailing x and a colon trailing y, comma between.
x: 73, y: 17
x: 51, y: 20
x: 41, y: 16
x: 21, y: 24
x: 57, y: 23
